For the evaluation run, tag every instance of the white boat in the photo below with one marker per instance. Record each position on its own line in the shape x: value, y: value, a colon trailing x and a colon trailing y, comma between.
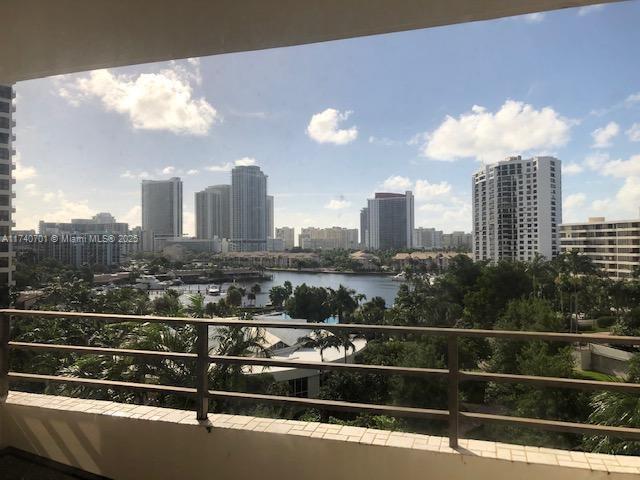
x: 401, y: 277
x: 213, y: 290
x: 150, y: 282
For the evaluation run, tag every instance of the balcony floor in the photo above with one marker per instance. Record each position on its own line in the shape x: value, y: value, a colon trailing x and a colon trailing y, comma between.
x: 15, y: 465
x: 111, y: 439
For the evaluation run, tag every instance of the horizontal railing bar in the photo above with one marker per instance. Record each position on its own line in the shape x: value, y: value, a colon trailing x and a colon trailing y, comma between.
x: 555, y: 425
x: 350, y: 367
x: 577, y: 384
x: 333, y: 405
x: 103, y: 351
x: 33, y: 377
x: 388, y: 329
x: 12, y: 312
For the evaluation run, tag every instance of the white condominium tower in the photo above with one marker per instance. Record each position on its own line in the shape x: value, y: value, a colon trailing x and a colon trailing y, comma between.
x: 6, y: 190
x: 161, y: 210
x: 248, y: 209
x: 517, y: 209
x: 213, y: 212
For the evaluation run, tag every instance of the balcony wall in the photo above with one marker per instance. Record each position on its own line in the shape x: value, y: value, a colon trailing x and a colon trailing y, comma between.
x: 132, y: 442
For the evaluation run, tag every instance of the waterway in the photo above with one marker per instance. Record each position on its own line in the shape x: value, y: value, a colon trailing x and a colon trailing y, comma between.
x: 369, y: 285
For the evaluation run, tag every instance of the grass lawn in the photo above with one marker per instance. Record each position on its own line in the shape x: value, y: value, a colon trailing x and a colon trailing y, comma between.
x: 601, y: 377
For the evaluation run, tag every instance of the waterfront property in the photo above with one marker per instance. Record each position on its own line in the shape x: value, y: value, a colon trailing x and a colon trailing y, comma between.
x: 161, y: 211
x: 517, y: 209
x: 614, y: 246
x: 128, y: 441
x: 388, y: 220
x: 435, y: 261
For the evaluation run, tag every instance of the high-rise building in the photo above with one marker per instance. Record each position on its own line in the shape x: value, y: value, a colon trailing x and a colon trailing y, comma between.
x: 213, y: 212
x: 390, y: 221
x: 101, y: 223
x: 457, y: 241
x: 614, y: 246
x: 364, y: 227
x: 427, y: 238
x: 84, y: 241
x: 328, y: 238
x: 248, y: 209
x: 270, y: 216
x: 517, y: 209
x: 288, y: 235
x: 161, y: 210
x: 7, y: 258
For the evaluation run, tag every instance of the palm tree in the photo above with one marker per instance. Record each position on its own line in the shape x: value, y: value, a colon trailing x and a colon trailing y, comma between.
x: 343, y: 302
x: 196, y: 307
x: 322, y: 340
x: 616, y: 409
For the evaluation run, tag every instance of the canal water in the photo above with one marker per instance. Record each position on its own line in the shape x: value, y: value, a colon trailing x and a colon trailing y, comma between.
x: 369, y: 285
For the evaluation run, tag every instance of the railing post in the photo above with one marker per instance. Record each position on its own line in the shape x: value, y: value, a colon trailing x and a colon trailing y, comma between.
x: 5, y: 326
x: 454, y: 380
x: 202, y: 371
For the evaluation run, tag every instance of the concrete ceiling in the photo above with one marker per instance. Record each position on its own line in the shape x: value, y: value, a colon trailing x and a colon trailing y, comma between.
x: 48, y: 37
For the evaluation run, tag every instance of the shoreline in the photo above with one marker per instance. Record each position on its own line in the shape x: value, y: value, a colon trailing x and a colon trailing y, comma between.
x: 325, y: 270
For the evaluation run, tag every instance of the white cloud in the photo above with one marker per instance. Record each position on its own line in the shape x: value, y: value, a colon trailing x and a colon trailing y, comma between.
x: 571, y: 168
x: 397, y: 183
x: 62, y: 208
x: 23, y: 172
x: 245, y: 162
x: 168, y: 170
x: 621, y: 168
x: 596, y: 161
x: 151, y: 101
x: 189, y: 223
x: 192, y: 171
x: 575, y: 208
x: 31, y: 189
x: 632, y: 99
x: 133, y: 216
x: 133, y: 175
x: 226, y: 167
x: 324, y: 127
x: 384, y: 141
x: 634, y: 132
x: 582, y: 11
x: 453, y: 214
x: 574, y: 200
x: 602, y: 136
x: 338, y: 204
x: 515, y: 128
x: 424, y: 189
x: 533, y: 17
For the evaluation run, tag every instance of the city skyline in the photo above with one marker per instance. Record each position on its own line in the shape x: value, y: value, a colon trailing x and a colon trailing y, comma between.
x: 332, y: 123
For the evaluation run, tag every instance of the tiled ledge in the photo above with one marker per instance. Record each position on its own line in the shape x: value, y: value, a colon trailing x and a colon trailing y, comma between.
x: 476, y: 448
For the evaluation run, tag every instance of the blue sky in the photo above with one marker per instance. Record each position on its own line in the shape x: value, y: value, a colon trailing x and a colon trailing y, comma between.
x: 332, y: 123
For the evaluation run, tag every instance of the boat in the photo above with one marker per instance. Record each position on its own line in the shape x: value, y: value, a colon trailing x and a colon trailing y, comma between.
x: 150, y: 282
x: 401, y: 277
x: 213, y: 290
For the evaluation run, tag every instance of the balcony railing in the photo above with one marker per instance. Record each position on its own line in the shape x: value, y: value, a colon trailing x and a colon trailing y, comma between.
x: 201, y: 393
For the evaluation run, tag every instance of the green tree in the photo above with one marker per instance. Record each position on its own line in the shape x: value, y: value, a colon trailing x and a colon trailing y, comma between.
x: 280, y: 294
x: 310, y: 303
x: 234, y: 296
